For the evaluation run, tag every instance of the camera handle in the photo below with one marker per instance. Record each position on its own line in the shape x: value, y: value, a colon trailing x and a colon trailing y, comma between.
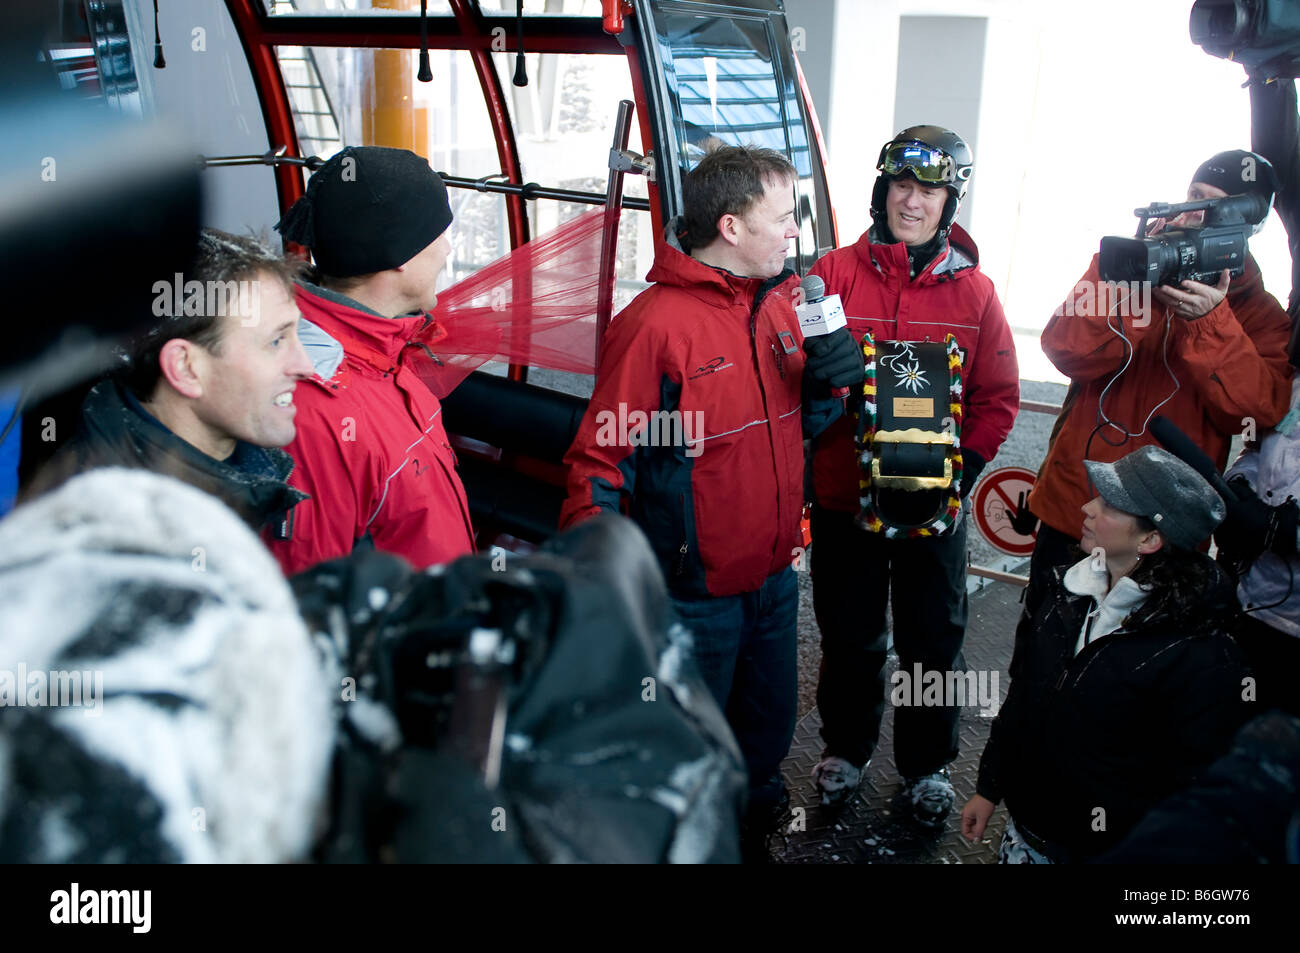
x: 1168, y: 210
x: 1246, y: 209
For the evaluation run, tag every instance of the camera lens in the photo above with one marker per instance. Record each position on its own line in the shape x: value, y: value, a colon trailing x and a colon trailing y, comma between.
x: 1222, y: 24
x: 1123, y: 259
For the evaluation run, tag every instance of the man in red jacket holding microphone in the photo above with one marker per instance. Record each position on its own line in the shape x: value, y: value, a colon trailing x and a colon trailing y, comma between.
x: 696, y: 427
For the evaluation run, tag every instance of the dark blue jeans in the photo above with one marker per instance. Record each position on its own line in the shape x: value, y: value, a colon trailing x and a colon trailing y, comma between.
x: 746, y: 649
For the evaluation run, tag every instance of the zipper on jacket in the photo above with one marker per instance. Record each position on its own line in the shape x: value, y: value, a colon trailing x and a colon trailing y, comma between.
x: 762, y: 292
x: 1071, y: 657
x: 780, y: 361
x: 680, y: 567
x: 767, y: 410
x: 285, y: 530
x: 1091, y: 648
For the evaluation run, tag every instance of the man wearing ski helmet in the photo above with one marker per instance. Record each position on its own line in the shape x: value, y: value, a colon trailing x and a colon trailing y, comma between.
x: 913, y: 276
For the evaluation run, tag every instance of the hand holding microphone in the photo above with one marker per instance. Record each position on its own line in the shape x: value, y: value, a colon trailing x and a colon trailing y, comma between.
x: 833, y: 359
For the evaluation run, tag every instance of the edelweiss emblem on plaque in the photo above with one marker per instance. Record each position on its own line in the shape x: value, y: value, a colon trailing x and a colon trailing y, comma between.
x: 912, y: 377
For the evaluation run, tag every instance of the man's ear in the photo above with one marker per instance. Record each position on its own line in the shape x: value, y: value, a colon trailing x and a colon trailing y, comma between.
x: 180, y: 365
x: 728, y: 228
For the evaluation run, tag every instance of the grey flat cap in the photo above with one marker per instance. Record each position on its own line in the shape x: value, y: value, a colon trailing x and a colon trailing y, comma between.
x: 1152, y: 482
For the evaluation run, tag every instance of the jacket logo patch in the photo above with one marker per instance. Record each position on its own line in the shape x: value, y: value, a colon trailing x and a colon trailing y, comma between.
x: 711, y: 367
x: 419, y: 470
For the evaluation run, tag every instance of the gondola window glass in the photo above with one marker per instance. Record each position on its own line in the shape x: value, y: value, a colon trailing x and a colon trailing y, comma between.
x: 346, y: 97
x: 564, y: 126
x: 288, y: 8
x: 726, y: 89
x: 567, y: 8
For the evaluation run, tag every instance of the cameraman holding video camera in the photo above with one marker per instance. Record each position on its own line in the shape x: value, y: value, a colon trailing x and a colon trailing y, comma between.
x: 1209, y: 357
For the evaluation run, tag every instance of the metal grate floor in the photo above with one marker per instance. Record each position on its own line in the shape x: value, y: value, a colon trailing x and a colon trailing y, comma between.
x: 873, y: 827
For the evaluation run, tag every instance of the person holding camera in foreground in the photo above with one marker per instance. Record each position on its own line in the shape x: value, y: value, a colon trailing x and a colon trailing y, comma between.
x: 1209, y: 357
x: 1130, y: 684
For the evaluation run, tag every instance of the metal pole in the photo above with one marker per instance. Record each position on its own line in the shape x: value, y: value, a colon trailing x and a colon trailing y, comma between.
x: 1038, y: 408
x: 531, y: 190
x: 609, y: 235
x: 998, y: 575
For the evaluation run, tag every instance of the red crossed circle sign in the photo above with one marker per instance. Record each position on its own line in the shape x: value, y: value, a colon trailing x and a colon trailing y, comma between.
x: 994, y: 504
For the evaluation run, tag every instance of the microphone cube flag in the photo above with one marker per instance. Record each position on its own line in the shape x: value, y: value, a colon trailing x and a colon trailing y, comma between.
x: 821, y: 317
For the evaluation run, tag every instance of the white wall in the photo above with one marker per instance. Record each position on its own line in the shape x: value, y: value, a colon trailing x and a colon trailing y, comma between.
x: 855, y: 46
x: 952, y: 98
x: 207, y: 97
x: 1086, y: 111
x: 1123, y: 115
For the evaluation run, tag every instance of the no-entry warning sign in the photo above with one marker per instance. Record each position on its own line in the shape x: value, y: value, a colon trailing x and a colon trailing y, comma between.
x: 994, y: 505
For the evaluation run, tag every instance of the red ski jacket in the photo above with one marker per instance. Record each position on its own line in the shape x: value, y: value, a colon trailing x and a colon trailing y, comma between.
x: 371, y: 451
x: 950, y: 296
x: 1230, y: 365
x: 720, y: 497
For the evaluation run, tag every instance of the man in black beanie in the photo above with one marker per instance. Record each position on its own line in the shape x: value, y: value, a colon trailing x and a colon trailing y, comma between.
x: 371, y: 449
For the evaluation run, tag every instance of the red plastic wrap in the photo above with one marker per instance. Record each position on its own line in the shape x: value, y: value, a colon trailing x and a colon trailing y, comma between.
x: 536, y: 306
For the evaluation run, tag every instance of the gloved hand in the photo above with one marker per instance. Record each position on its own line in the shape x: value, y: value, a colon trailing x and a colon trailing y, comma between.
x: 833, y: 361
x: 1285, y: 519
x: 972, y: 465
x: 1252, y: 526
x: 1241, y: 534
x: 1023, y: 521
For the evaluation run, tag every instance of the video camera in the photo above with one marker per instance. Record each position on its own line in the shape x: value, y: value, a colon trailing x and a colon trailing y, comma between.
x: 1178, y: 255
x: 1261, y: 35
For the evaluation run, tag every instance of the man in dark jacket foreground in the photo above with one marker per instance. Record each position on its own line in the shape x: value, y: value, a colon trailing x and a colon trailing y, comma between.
x: 547, y: 712
x: 1243, y: 809
x: 1130, y: 684
x: 207, y: 394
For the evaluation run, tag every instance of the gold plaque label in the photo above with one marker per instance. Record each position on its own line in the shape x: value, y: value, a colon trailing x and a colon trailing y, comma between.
x: 913, y: 406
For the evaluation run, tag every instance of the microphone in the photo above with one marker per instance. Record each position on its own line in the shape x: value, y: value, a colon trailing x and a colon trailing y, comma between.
x: 820, y: 314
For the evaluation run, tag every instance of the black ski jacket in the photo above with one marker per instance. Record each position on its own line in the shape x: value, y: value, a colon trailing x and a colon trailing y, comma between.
x: 116, y: 432
x: 1086, y: 744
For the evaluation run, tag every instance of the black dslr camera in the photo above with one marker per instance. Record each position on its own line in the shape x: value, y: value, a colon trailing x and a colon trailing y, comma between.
x: 1178, y: 255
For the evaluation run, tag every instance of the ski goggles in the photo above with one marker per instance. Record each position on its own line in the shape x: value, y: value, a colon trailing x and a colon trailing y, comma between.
x: 930, y: 166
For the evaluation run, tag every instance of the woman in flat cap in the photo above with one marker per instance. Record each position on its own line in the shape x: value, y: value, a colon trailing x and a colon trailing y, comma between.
x: 1130, y: 684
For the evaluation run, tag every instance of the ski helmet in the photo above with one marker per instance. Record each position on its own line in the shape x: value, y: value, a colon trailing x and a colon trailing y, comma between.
x: 932, y: 155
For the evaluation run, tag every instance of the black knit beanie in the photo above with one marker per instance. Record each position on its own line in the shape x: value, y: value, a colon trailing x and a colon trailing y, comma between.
x: 1238, y: 172
x: 368, y: 209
